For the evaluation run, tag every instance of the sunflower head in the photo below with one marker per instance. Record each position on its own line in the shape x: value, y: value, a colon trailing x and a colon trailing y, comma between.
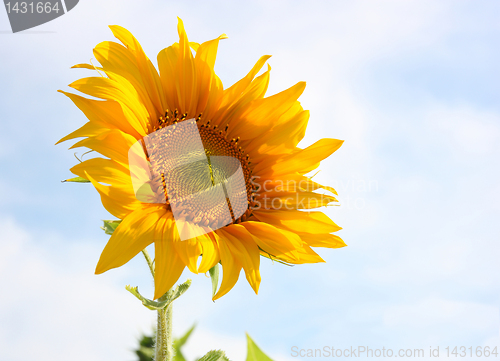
x: 205, y: 173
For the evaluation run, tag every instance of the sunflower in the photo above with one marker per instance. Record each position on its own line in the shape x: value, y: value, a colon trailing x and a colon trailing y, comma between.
x: 261, y: 133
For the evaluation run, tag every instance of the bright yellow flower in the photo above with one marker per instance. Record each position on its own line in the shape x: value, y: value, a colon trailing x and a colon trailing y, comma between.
x: 262, y: 133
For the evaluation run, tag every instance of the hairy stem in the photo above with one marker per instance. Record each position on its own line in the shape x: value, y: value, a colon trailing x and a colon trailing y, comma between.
x: 164, y: 350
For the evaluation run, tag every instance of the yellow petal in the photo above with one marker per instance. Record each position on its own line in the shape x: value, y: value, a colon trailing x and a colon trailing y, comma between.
x: 233, y: 93
x: 211, y: 254
x: 118, y: 200
x: 194, y: 45
x: 85, y: 66
x: 210, y: 89
x: 113, y: 143
x: 150, y: 76
x: 308, y: 184
x: 189, y: 251
x: 258, y: 87
x: 134, y: 233
x: 274, y: 241
x: 244, y: 248
x: 167, y: 64
x: 231, y: 268
x: 214, y: 99
x: 307, y: 255
x: 89, y: 129
x: 116, y: 59
x: 303, y: 161
x: 280, y: 139
x: 105, y: 171
x: 291, y: 183
x: 168, y: 264
x: 256, y: 90
x: 207, y: 51
x: 187, y: 73
x: 264, y: 113
x: 298, y: 221
x: 292, y: 200
x: 122, y: 92
x: 106, y: 113
x: 323, y: 240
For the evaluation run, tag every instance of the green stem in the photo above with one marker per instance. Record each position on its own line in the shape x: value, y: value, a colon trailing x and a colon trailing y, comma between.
x: 149, y: 261
x: 164, y: 344
x: 164, y: 341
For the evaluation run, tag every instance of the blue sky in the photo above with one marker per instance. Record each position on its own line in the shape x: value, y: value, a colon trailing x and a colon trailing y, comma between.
x: 412, y: 87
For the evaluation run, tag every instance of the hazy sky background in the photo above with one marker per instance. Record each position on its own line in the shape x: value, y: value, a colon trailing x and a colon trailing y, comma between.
x: 413, y: 89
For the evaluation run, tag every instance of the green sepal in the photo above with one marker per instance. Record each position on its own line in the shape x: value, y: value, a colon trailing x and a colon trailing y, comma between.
x: 273, y: 258
x: 214, y: 355
x: 77, y: 180
x: 167, y: 299
x: 180, y: 289
x: 254, y: 353
x: 179, y: 342
x: 214, y: 276
x: 110, y: 226
x: 152, y: 305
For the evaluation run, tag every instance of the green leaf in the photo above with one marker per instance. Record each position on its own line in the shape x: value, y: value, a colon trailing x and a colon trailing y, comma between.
x: 254, y: 353
x: 214, y: 355
x: 145, y: 352
x: 214, y: 275
x: 110, y: 226
x: 179, y: 342
x: 77, y: 180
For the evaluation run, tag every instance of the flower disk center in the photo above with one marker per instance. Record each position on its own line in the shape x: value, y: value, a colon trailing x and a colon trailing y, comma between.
x: 202, y: 176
